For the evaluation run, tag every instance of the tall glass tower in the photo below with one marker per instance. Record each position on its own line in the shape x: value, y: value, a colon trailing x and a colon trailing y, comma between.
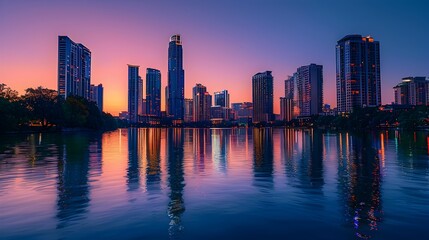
x: 134, y: 94
x: 74, y: 68
x: 262, y: 95
x: 153, y: 92
x: 176, y: 79
x: 358, y: 72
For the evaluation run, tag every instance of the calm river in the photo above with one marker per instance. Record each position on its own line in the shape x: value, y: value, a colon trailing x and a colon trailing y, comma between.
x: 215, y: 184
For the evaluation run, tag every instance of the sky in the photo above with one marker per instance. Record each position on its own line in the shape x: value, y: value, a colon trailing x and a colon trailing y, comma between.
x: 224, y: 42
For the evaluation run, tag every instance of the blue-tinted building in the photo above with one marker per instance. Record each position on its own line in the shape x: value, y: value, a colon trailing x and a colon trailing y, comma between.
x: 309, y: 83
x: 262, y: 96
x: 221, y: 98
x: 134, y: 94
x: 74, y: 68
x: 153, y: 92
x: 176, y: 79
x: 97, y: 95
x: 358, y: 73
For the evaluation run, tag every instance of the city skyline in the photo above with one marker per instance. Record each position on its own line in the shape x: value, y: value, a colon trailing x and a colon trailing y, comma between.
x: 218, y: 52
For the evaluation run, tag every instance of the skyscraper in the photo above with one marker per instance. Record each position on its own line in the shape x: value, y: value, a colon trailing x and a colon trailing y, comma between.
x: 134, y: 93
x: 202, y: 103
x: 153, y: 92
x: 358, y: 72
x: 221, y: 98
x: 262, y: 95
x: 412, y: 91
x: 309, y: 83
x: 176, y: 79
x: 97, y: 95
x: 74, y: 68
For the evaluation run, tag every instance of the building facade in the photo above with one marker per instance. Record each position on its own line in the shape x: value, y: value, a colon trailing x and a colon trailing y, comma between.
x: 189, y: 110
x: 202, y: 103
x: 309, y: 84
x: 412, y: 91
x: 74, y: 68
x: 135, y: 90
x: 286, y: 109
x: 262, y: 97
x: 96, y: 95
x: 357, y: 73
x: 153, y: 92
x: 176, y: 79
x: 221, y: 98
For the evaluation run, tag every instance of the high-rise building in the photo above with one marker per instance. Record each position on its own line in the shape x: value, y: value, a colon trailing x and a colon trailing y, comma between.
x: 262, y: 95
x: 74, y: 68
x: 412, y: 91
x: 358, y: 73
x: 96, y: 95
x: 189, y: 110
x: 289, y: 87
x: 286, y: 109
x: 309, y: 83
x: 153, y: 92
x: 202, y: 103
x: 135, y: 90
x: 176, y: 79
x: 221, y: 98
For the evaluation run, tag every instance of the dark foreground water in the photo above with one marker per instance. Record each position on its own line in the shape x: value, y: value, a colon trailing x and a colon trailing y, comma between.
x: 215, y: 184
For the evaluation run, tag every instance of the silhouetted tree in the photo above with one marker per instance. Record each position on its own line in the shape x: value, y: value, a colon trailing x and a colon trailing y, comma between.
x: 43, y: 105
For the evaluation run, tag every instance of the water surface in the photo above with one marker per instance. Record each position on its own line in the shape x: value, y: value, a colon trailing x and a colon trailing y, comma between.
x: 215, y: 184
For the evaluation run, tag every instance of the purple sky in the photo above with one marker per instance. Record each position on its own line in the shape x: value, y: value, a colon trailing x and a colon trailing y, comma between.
x: 224, y: 42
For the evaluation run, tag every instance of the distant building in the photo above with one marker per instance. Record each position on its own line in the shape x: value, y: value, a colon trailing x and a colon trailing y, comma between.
x: 358, y: 72
x: 412, y: 91
x: 286, y: 109
x: 242, y: 110
x: 74, y: 68
x: 220, y: 113
x: 309, y: 83
x: 175, y: 92
x: 153, y: 92
x: 135, y: 90
x: 262, y: 97
x: 123, y: 115
x: 189, y: 110
x: 96, y: 94
x: 221, y: 98
x: 202, y: 103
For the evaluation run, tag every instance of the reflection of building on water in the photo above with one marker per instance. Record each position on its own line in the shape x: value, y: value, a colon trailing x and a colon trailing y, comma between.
x: 220, y: 151
x: 359, y: 182
x: 303, y: 154
x: 73, y: 187
x: 289, y: 147
x: 202, y: 147
x: 134, y: 159
x: 176, y: 180
x: 314, y: 164
x: 263, y: 157
x: 153, y: 148
x: 409, y: 145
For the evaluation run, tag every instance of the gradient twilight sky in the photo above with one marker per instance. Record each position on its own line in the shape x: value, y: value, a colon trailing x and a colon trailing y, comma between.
x: 225, y: 42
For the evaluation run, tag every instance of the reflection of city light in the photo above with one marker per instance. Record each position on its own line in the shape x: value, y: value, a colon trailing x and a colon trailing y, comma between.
x: 381, y: 151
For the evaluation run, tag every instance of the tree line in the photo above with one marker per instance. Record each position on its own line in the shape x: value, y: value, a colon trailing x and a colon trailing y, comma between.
x: 404, y: 117
x: 43, y: 109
